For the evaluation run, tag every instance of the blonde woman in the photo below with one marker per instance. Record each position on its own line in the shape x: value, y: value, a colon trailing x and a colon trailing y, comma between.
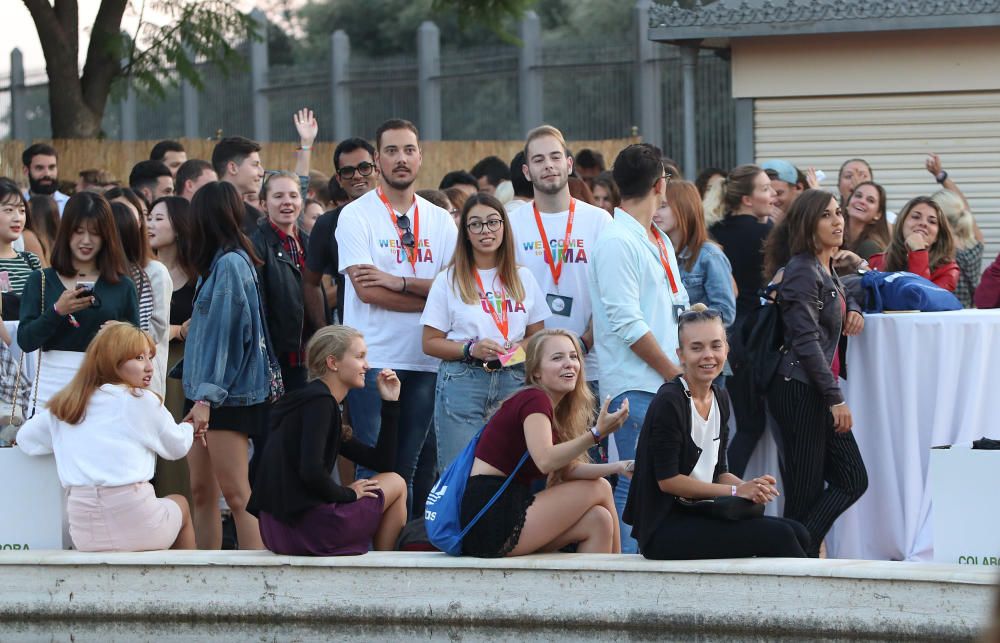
x: 550, y: 419
x: 301, y: 510
x: 106, y: 429
x: 478, y: 311
x: 968, y: 243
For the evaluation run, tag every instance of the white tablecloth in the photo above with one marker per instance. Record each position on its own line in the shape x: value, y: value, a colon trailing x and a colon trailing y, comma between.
x: 914, y: 381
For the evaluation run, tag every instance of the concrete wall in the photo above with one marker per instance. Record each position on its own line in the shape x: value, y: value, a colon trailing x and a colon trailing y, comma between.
x: 763, y: 597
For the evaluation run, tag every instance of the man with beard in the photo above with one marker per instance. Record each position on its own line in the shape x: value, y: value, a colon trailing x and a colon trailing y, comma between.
x: 555, y: 236
x: 391, y: 244
x: 41, y: 166
x: 354, y: 162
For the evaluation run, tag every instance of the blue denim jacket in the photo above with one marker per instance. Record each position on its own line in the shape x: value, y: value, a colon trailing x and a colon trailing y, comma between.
x: 225, y: 354
x: 710, y: 280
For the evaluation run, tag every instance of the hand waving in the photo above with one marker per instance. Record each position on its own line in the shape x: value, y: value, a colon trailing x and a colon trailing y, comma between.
x: 306, y: 126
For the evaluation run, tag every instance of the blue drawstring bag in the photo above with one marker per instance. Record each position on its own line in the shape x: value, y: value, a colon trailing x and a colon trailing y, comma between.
x: 443, y: 511
x: 905, y: 291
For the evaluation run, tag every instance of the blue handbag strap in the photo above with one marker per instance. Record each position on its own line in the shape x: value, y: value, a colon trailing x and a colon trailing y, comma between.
x: 499, y: 492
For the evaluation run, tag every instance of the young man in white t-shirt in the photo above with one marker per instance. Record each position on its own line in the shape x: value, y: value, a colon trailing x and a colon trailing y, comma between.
x: 560, y: 258
x: 392, y: 243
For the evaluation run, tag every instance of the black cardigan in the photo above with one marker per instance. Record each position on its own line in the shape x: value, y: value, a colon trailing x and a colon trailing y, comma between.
x: 665, y: 449
x: 294, y: 473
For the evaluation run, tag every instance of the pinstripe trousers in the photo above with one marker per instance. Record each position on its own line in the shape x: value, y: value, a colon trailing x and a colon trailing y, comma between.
x: 822, y: 471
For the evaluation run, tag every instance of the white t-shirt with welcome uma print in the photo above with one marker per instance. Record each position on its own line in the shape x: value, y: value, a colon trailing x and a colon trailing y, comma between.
x: 446, y: 311
x: 588, y: 223
x: 367, y: 235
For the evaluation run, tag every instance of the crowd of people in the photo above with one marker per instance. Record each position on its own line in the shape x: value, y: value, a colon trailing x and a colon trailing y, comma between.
x: 305, y: 354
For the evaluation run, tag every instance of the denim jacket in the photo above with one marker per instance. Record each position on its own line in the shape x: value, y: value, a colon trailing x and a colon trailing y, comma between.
x: 710, y: 280
x: 225, y: 355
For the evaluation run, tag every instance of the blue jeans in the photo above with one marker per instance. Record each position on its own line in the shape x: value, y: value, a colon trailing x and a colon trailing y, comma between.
x: 625, y: 439
x: 464, y: 398
x: 416, y: 399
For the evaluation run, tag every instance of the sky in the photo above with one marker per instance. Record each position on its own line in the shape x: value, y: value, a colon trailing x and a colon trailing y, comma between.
x: 17, y: 30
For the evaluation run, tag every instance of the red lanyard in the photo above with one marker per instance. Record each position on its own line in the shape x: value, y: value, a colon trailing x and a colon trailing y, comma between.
x: 664, y: 259
x: 501, y: 320
x: 411, y: 253
x: 555, y: 267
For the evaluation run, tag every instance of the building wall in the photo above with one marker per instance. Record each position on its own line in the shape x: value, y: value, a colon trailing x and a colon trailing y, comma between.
x: 867, y: 63
x: 888, y: 98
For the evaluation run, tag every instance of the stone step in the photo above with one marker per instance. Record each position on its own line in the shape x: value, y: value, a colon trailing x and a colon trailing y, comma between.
x: 773, y: 596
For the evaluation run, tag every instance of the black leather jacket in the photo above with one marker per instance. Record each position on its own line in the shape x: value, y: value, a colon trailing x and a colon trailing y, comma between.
x: 281, y: 287
x: 813, y: 318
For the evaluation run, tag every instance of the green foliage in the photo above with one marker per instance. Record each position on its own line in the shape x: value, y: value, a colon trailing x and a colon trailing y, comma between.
x: 492, y: 14
x: 386, y: 27
x: 198, y: 31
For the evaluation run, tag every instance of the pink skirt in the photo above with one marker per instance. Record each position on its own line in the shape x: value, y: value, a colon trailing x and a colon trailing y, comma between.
x: 126, y: 518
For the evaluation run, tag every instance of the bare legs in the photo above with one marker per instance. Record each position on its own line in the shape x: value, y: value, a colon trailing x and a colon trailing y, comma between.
x: 393, y: 511
x: 185, y: 539
x: 578, y: 511
x: 222, y: 467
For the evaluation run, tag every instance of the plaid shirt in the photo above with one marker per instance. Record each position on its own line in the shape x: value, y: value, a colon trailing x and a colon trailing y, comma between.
x: 296, y: 250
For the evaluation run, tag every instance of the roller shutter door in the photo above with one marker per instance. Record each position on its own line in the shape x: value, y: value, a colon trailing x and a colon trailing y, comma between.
x: 894, y: 133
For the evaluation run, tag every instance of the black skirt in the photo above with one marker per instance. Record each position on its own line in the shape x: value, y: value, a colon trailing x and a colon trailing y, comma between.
x: 249, y: 420
x: 499, y: 530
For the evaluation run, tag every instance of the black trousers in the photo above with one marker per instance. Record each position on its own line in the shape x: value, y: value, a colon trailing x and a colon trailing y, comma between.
x: 688, y: 536
x: 822, y: 470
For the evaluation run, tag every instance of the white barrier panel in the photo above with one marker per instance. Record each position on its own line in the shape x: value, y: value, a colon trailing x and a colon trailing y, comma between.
x: 31, y: 502
x: 964, y: 510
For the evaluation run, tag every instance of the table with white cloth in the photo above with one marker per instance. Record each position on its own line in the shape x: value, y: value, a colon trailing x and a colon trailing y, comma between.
x: 914, y: 381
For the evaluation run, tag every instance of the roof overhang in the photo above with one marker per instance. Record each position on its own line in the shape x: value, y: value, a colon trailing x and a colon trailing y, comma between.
x: 718, y: 23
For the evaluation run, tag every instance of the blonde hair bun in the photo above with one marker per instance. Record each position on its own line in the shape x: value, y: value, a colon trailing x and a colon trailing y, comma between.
x: 698, y: 308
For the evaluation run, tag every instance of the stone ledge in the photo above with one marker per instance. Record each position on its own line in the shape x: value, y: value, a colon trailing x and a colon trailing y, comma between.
x: 818, y: 598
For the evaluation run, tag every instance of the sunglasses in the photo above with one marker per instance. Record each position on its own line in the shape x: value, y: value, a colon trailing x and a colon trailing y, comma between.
x: 364, y: 169
x: 689, y: 316
x: 407, y: 239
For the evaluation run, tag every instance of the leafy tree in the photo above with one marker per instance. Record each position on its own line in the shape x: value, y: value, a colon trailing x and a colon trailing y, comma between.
x: 199, y: 30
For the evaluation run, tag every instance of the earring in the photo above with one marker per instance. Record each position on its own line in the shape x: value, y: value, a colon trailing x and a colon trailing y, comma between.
x: 335, y: 370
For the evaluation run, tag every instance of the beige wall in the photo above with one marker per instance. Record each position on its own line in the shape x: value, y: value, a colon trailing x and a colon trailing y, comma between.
x: 869, y: 63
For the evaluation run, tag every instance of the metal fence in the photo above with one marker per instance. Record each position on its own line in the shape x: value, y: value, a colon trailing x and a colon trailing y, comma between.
x: 590, y: 91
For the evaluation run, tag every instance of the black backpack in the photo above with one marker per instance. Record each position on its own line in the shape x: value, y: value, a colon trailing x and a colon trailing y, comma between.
x: 763, y: 338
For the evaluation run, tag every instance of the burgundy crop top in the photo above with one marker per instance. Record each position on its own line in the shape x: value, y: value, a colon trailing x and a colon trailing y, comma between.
x: 502, y: 443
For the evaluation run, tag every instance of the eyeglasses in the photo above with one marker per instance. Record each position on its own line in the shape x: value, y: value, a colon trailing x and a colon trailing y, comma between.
x: 492, y: 225
x: 363, y: 168
x: 403, y: 222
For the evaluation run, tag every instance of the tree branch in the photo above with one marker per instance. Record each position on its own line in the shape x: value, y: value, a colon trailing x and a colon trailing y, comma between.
x: 59, y: 59
x: 67, y: 14
x: 103, y: 56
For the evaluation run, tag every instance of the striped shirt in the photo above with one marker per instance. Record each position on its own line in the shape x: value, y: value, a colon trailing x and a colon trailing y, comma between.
x: 18, y: 269
x: 144, y: 289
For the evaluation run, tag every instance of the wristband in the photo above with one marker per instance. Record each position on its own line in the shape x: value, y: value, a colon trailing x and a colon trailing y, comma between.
x: 404, y: 285
x: 586, y: 349
x: 202, y: 403
x: 467, y: 350
x: 942, y: 177
x: 596, y: 434
x: 734, y: 490
x: 305, y: 148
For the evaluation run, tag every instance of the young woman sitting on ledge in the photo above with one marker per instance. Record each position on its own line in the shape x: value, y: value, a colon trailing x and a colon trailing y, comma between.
x: 681, y: 455
x: 106, y: 430
x: 302, y: 511
x: 551, y: 419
